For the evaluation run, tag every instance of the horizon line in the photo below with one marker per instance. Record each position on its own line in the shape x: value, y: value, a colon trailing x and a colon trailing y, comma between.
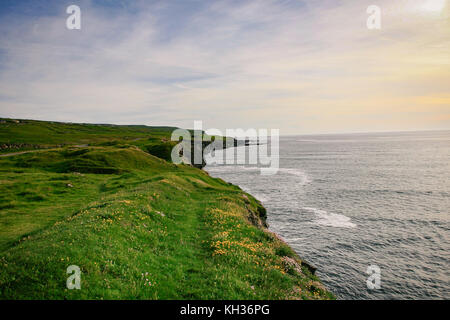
x: 281, y: 135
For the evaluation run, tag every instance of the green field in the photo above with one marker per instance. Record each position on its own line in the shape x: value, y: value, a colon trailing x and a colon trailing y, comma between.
x: 138, y: 226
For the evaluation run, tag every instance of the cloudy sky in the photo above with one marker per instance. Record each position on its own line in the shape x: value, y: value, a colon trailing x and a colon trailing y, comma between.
x: 300, y: 66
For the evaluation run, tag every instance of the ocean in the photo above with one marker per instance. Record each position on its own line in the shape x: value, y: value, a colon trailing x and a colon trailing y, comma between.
x: 345, y: 202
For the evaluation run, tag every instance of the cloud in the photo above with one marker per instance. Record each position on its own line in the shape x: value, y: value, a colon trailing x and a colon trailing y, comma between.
x: 298, y: 66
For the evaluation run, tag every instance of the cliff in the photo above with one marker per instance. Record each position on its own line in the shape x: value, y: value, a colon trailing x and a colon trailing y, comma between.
x: 137, y: 226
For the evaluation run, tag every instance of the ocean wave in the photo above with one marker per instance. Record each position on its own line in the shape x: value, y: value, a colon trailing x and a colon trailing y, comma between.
x: 296, y: 239
x: 258, y: 196
x: 304, y: 179
x: 329, y: 219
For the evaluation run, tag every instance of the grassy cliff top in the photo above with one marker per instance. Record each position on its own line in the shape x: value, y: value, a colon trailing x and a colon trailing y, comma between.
x: 138, y: 226
x: 56, y: 133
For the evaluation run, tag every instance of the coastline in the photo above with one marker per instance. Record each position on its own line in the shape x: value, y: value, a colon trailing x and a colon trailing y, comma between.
x: 265, y: 226
x: 137, y: 225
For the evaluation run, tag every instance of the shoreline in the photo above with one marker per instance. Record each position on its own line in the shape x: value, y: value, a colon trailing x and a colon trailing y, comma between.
x: 113, y: 205
x: 266, y: 227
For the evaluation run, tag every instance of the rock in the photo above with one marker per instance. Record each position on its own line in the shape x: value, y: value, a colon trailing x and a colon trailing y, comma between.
x: 310, y: 267
x: 291, y: 265
x: 276, y: 235
x: 160, y: 213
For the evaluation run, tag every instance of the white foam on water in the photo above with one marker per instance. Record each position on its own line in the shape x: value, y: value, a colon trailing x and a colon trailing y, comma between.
x: 328, y: 219
x: 293, y: 239
x: 304, y: 179
x: 246, y: 168
x: 259, y: 197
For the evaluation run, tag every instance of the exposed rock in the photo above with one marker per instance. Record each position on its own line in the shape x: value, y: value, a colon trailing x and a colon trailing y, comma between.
x: 278, y: 237
x: 160, y: 213
x: 19, y: 146
x: 256, y: 219
x: 304, y: 264
x: 291, y: 265
x: 310, y: 267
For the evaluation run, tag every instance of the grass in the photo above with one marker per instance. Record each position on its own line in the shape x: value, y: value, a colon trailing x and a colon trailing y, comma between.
x: 139, y: 227
x: 22, y: 135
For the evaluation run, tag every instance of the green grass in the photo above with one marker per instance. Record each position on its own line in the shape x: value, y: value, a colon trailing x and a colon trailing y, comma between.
x: 20, y: 135
x: 138, y: 227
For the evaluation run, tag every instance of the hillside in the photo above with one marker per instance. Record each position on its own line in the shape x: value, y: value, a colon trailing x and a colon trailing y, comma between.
x: 138, y: 226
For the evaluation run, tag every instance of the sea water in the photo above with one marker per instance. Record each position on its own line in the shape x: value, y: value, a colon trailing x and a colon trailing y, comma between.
x: 349, y: 201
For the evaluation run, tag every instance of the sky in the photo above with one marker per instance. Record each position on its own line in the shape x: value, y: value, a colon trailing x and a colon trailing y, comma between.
x: 303, y: 67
